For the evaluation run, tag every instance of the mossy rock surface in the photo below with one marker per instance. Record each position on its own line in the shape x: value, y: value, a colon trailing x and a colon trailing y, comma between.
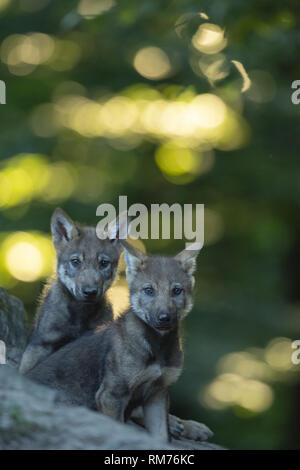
x: 13, y: 329
x: 31, y: 417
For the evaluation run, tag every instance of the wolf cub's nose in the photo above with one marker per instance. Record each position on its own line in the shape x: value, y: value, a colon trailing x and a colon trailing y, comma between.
x: 164, y: 318
x: 89, y: 292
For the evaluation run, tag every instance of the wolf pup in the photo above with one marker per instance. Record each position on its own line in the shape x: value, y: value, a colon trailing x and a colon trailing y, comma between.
x: 133, y: 361
x: 74, y: 302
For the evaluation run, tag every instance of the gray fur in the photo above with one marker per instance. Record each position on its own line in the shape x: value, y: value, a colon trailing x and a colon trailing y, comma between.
x: 65, y: 311
x: 131, y: 362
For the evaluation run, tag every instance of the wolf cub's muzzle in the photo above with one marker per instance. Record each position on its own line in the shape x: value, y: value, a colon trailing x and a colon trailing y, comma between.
x: 90, y: 294
x: 164, y: 321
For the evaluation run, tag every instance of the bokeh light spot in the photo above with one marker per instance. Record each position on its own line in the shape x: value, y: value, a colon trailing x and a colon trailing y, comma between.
x: 26, y: 257
x: 91, y: 8
x: 4, y: 4
x: 175, y: 160
x: 152, y: 63
x: 209, y: 38
x: 23, y: 53
x: 278, y: 354
x: 24, y: 261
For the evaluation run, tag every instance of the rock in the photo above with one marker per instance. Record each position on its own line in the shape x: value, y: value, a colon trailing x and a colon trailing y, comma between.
x: 12, y: 327
x: 31, y: 418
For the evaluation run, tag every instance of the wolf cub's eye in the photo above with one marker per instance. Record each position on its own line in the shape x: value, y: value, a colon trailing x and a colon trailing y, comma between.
x: 104, y: 263
x: 75, y: 262
x: 148, y: 290
x: 177, y: 290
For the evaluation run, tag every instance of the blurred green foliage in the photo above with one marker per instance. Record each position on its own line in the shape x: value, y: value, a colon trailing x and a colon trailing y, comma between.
x: 92, y: 113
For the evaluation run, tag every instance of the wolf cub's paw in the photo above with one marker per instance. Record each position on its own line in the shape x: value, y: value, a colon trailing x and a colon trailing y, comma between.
x: 176, y: 427
x: 196, y: 431
x: 181, y: 429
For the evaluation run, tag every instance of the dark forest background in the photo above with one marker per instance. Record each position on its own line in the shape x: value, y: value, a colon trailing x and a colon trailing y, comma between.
x: 141, y: 98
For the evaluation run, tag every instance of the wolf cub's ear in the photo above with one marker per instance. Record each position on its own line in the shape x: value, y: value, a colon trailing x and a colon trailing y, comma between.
x: 187, y: 258
x: 134, y: 258
x: 62, y: 227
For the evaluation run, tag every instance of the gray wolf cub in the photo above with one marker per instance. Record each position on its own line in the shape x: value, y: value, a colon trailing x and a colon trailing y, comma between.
x: 73, y: 302
x: 132, y: 362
